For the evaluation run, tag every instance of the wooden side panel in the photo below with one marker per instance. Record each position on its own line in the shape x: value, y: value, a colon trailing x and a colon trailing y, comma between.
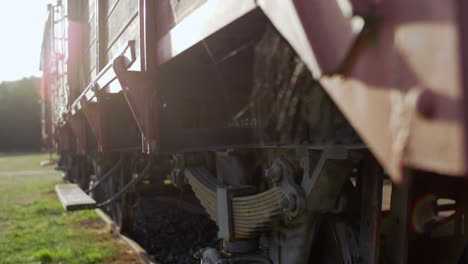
x: 92, y: 28
x: 111, y: 4
x: 120, y: 16
x: 169, y: 13
x: 90, y: 69
x: 122, y: 25
x: 92, y: 57
x: 183, y: 8
x: 131, y: 32
x: 91, y: 6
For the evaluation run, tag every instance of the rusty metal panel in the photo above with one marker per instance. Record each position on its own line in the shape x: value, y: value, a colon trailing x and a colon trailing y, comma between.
x: 77, y: 125
x: 321, y: 31
x: 398, y: 81
x: 64, y: 139
x: 112, y: 124
x: 401, y: 88
x: 462, y: 7
x: 94, y: 114
x: 206, y: 20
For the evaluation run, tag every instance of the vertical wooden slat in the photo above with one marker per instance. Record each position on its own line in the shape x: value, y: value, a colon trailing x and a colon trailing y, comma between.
x: 98, y: 35
x: 101, y: 34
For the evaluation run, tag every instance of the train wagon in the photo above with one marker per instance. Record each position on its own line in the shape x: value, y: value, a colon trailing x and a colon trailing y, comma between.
x: 273, y: 131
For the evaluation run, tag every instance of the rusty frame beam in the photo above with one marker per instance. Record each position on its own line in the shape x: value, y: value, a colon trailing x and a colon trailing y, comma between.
x: 401, y: 99
x: 371, y: 184
x: 203, y: 22
x: 405, y: 102
x: 78, y: 127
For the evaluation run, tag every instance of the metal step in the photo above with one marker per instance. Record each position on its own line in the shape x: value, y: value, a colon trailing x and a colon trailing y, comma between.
x: 73, y: 198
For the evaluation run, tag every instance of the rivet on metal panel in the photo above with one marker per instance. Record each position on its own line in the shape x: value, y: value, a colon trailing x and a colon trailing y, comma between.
x: 425, y: 104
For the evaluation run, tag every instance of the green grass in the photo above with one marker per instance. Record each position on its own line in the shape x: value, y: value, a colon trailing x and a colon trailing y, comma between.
x: 24, y: 161
x: 34, y: 227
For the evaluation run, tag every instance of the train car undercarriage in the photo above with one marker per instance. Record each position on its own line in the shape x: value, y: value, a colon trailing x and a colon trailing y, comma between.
x: 234, y: 135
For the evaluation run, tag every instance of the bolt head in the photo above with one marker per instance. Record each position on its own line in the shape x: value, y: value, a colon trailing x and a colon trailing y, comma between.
x: 284, y: 203
x: 425, y: 104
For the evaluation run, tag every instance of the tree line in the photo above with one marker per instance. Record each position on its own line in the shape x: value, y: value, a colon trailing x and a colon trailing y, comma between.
x: 20, y: 115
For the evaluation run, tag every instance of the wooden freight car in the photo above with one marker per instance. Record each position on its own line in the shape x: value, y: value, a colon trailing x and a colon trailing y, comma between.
x: 280, y: 120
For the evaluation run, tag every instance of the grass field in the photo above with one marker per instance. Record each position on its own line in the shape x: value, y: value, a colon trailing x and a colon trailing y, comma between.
x: 23, y: 161
x: 34, y: 227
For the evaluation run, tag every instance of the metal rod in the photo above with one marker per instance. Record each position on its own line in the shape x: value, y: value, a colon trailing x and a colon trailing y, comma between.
x: 107, y: 175
x: 129, y: 185
x: 371, y: 205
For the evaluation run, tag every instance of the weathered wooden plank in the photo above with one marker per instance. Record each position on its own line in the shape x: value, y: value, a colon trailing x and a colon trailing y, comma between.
x: 131, y: 33
x: 92, y: 29
x: 111, y: 5
x: 171, y: 12
x: 91, y: 25
x: 91, y: 7
x: 91, y: 55
x: 92, y: 74
x: 183, y: 8
x: 89, y: 63
x: 124, y: 12
x: 204, y: 21
x: 73, y: 198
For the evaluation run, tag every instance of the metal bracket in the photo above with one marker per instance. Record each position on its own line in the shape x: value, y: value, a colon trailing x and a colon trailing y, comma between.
x: 95, y: 116
x: 78, y: 128
x: 322, y: 184
x: 331, y: 152
x: 138, y: 88
x: 224, y: 208
x: 281, y: 173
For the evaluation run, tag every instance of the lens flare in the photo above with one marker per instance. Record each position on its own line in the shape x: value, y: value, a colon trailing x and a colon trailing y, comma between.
x: 424, y: 213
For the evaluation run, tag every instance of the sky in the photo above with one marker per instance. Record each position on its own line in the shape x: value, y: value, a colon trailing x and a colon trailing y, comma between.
x: 21, y: 26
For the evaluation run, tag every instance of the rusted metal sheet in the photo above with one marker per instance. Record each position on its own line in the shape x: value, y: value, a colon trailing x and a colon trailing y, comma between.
x: 400, y: 85
x: 63, y: 140
x: 78, y: 127
x: 138, y: 88
x: 206, y: 20
x: 321, y: 31
x: 94, y: 114
x: 399, y: 81
x: 462, y: 7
